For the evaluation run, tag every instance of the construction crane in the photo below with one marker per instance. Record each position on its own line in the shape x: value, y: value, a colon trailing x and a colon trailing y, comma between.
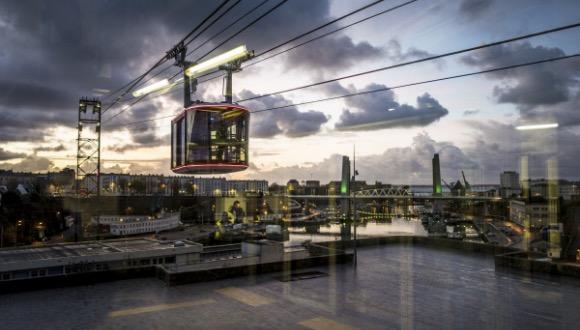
x: 465, y: 183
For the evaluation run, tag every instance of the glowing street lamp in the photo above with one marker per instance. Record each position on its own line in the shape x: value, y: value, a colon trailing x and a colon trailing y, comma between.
x: 161, y: 84
x: 536, y: 127
x: 229, y: 56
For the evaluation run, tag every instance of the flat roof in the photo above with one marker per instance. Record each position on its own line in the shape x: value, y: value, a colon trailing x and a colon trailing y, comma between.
x: 83, y: 249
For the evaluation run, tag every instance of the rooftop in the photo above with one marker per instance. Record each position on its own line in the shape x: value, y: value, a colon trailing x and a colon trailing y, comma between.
x: 79, y: 250
x: 394, y: 286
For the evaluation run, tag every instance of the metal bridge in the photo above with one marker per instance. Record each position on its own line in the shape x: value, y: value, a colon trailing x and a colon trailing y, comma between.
x: 402, y: 192
x: 385, y: 192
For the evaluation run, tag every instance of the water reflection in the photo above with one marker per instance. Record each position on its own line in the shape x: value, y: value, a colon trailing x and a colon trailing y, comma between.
x: 335, y: 231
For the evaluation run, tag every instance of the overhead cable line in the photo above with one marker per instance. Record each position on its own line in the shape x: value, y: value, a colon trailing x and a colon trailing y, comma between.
x: 212, y: 37
x: 314, y: 30
x: 216, y: 47
x: 515, y: 66
x: 187, y: 43
x: 325, y: 34
x: 323, y: 26
x: 125, y: 108
x: 152, y: 95
x: 430, y: 58
x: 164, y: 58
x: 223, y: 42
x: 319, y: 36
x: 296, y: 38
x: 197, y: 35
x: 463, y: 75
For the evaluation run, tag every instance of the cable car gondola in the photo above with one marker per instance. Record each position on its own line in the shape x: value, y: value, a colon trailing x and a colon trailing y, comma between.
x: 207, y: 138
x: 210, y: 138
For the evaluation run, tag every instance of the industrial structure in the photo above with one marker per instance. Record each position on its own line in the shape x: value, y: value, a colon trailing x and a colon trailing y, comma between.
x: 88, y: 147
x: 345, y: 185
x: 437, y: 189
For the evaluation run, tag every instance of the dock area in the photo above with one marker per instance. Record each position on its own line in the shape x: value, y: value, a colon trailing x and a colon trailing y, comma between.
x: 393, y: 286
x: 175, y: 262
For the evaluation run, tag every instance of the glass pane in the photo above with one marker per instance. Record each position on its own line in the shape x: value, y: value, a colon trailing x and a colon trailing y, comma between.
x: 198, y: 144
x: 174, y: 144
x: 374, y: 164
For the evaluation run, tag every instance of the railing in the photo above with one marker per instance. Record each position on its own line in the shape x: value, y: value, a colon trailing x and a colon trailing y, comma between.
x: 210, y: 253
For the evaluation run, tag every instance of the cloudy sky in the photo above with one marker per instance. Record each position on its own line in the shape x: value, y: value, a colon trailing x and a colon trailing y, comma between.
x: 54, y: 52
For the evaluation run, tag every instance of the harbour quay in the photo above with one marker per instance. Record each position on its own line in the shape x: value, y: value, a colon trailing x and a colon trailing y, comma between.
x: 172, y: 261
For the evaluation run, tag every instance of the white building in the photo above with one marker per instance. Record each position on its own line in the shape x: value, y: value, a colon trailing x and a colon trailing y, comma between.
x: 113, y: 184
x: 121, y: 225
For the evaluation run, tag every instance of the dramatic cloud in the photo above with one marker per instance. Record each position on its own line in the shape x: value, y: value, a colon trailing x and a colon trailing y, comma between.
x: 474, y: 8
x: 115, y: 169
x: 394, y: 51
x: 59, y: 147
x: 537, y: 85
x: 144, y: 134
x: 331, y: 54
x: 139, y: 168
x: 565, y: 113
x: 380, y: 110
x: 152, y: 166
x: 395, y: 165
x: 496, y: 147
x: 545, y: 91
x: 257, y: 153
x: 147, y: 139
x: 287, y: 121
x: 471, y: 112
x: 60, y: 52
x: 7, y: 155
x: 30, y: 124
x: 31, y: 163
x: 18, y: 95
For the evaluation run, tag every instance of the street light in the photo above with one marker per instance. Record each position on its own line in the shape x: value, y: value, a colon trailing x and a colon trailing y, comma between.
x: 536, y: 127
x: 214, y: 62
x: 161, y: 84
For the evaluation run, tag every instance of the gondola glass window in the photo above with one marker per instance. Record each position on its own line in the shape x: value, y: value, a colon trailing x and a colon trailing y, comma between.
x: 210, y: 138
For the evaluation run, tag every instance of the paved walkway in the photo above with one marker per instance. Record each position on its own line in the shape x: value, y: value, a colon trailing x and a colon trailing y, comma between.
x: 408, y: 287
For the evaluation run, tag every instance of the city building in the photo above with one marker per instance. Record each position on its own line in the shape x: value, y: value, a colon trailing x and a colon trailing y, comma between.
x: 534, y: 209
x: 569, y: 190
x: 236, y: 186
x: 313, y: 187
x: 333, y: 187
x: 93, y: 257
x: 113, y: 184
x: 312, y: 183
x: 293, y: 187
x: 345, y: 186
x: 122, y: 225
x: 345, y: 177
x: 509, y: 184
x: 52, y: 183
x: 552, y: 188
x: 437, y: 189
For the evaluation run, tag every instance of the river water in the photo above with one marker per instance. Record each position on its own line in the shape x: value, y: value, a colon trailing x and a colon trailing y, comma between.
x: 332, y: 232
